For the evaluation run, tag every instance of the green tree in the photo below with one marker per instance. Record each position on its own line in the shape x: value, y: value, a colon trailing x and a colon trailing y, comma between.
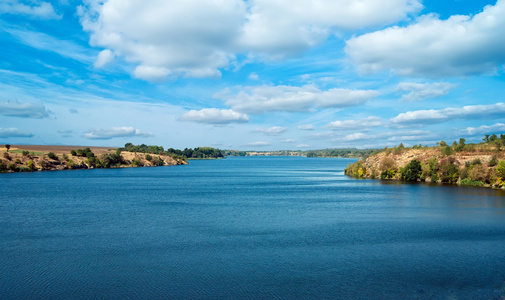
x: 31, y: 165
x: 449, y: 172
x: 412, y: 171
x: 7, y: 146
x: 500, y: 170
x: 461, y: 145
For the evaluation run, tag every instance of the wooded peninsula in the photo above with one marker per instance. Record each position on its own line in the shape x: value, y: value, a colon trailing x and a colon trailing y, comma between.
x: 30, y: 158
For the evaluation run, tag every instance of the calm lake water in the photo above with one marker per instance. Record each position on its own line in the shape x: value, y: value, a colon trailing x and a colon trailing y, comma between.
x: 246, y: 228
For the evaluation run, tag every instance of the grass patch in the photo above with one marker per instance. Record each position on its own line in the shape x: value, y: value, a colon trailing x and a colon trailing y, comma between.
x: 470, y: 182
x: 21, y: 151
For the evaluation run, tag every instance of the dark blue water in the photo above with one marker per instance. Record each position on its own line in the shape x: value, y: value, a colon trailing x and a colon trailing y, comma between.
x: 246, y: 228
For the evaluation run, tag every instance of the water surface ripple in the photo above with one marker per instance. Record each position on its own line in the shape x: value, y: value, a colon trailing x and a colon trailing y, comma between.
x: 246, y: 228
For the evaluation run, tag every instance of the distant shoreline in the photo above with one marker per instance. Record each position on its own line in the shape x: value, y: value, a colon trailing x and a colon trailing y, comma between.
x: 34, y: 158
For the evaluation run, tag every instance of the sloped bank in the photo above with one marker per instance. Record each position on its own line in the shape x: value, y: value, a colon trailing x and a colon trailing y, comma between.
x: 480, y: 165
x: 52, y: 158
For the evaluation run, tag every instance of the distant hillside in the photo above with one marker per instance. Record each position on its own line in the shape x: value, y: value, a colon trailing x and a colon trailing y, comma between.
x: 29, y: 158
x: 480, y: 164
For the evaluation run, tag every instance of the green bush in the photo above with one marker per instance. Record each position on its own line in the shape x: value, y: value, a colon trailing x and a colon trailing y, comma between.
x: 31, y: 165
x: 136, y: 162
x: 51, y: 155
x: 412, y: 171
x: 470, y: 182
x: 500, y: 170
x: 148, y: 157
x: 449, y: 172
x: 493, y: 162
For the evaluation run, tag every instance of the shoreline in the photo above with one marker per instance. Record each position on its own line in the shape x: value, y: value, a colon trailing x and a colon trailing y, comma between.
x: 38, y: 158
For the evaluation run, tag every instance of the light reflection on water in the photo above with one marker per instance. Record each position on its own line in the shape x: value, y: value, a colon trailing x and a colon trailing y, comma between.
x: 254, y: 228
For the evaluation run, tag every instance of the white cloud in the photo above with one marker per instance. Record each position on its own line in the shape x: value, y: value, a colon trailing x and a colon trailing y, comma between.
x: 261, y: 99
x: 302, y: 146
x: 390, y: 136
x: 14, y: 132
x: 42, y: 10
x: 437, y: 116
x: 257, y: 144
x: 115, y: 132
x: 276, y: 130
x: 460, y: 45
x: 104, y: 58
x: 420, y: 91
x: 23, y: 110
x: 288, y: 141
x: 306, y: 127
x: 355, y: 137
x: 279, y: 28
x: 214, y: 116
x: 485, y: 129
x: 366, y: 123
x: 47, y: 42
x: 253, y: 76
x: 197, y: 38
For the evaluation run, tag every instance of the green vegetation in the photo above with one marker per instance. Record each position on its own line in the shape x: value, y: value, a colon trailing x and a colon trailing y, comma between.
x: 7, y: 146
x: 184, y: 155
x: 347, y: 152
x: 412, y: 171
x: 443, y: 163
x: 51, y: 155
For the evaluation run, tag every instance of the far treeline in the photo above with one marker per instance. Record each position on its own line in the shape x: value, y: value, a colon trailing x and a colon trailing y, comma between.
x: 480, y: 164
x: 344, y: 153
x: 187, y: 153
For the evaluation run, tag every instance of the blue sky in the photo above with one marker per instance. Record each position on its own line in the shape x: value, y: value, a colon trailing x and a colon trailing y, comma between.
x: 251, y: 75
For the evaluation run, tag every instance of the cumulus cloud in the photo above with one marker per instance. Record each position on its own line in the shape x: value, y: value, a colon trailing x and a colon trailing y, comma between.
x: 214, y: 116
x: 281, y: 28
x: 261, y: 99
x: 288, y: 141
x: 276, y: 130
x: 460, y: 45
x: 14, y: 132
x: 306, y: 127
x: 420, y: 91
x: 365, y: 123
x: 23, y: 110
x: 485, y: 129
x: 42, y: 10
x: 355, y: 137
x: 115, y: 132
x: 104, y: 58
x: 197, y: 38
x: 420, y: 117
